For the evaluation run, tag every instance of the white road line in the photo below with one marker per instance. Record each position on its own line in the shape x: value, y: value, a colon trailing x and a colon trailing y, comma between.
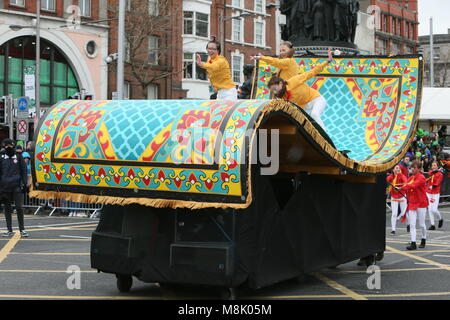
x: 429, y: 264
x: 78, y: 237
x: 441, y: 255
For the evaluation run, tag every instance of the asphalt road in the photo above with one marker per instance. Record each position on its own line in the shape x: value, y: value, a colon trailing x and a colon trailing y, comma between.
x: 37, y: 268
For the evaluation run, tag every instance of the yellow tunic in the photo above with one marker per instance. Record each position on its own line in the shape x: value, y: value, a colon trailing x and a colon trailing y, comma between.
x: 288, y: 66
x: 219, y: 73
x: 298, y: 91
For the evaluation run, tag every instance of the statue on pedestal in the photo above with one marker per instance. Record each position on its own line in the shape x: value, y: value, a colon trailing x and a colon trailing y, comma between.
x: 310, y: 21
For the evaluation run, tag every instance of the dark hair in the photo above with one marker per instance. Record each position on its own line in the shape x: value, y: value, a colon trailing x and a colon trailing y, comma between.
x: 7, y: 141
x: 417, y: 164
x: 219, y: 49
x: 275, y: 80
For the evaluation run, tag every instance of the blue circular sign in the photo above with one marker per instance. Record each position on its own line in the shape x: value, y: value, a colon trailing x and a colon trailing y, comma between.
x: 22, y: 104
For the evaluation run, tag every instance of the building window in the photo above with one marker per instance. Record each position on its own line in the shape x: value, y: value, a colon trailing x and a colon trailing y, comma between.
x: 237, y: 68
x: 196, y: 21
x: 190, y: 68
x: 237, y: 30
x: 437, y: 53
x: 85, y: 7
x: 409, y: 50
x: 407, y: 35
x: 393, y: 25
x: 395, y: 48
x: 48, y: 5
x: 57, y: 79
x: 259, y: 6
x: 236, y: 3
x: 259, y: 33
x: 126, y: 91
x: 20, y: 3
x: 399, y: 27
x: 153, y: 49
x: 153, y: 7
x: 382, y: 46
x: 152, y: 91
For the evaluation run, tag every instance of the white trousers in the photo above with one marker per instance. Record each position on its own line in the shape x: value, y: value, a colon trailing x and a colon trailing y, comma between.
x: 395, y: 205
x: 421, y: 212
x: 433, y: 200
x: 315, y: 108
x: 227, y: 94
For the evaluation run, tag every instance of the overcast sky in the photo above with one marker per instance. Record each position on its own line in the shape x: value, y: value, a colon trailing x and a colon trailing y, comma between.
x: 439, y: 10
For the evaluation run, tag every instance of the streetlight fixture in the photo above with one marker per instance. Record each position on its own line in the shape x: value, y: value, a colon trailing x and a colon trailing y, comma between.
x: 37, y: 86
x: 222, y: 20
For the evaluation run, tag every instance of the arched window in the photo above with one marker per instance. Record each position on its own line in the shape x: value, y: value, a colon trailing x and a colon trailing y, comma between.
x: 57, y: 81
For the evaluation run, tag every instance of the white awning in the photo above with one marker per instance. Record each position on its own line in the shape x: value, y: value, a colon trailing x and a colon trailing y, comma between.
x: 435, y: 104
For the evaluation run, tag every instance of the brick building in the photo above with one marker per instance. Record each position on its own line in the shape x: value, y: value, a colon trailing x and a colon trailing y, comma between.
x: 72, y: 59
x: 153, y: 67
x: 397, y: 25
x: 255, y: 31
x: 441, y: 62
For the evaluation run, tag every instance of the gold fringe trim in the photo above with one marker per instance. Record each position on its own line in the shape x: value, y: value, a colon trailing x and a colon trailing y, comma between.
x: 156, y: 203
x: 353, y: 165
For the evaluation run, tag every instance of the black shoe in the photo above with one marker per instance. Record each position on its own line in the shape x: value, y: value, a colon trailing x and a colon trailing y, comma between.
x: 407, y: 228
x: 8, y: 234
x: 432, y: 228
x: 422, y: 243
x: 441, y: 222
x: 393, y: 233
x: 412, y: 246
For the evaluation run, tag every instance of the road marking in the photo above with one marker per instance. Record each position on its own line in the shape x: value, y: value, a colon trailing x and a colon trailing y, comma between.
x: 77, y: 297
x: 341, y: 288
x: 441, y: 255
x: 428, y: 243
x: 53, y: 253
x: 420, y: 258
x: 44, y: 271
x: 324, y: 296
x: 37, y: 239
x: 9, y: 246
x: 419, y: 294
x: 75, y: 237
x: 59, y: 224
x: 385, y: 270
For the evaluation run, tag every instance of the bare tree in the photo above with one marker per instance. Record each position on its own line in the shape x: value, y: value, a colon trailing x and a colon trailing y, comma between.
x: 443, y: 72
x: 148, y: 26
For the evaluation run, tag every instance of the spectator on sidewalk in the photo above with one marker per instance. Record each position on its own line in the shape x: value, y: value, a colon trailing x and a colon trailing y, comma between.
x: 13, y: 183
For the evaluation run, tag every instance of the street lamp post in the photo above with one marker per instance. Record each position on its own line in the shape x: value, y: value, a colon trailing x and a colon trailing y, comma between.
x: 37, y: 87
x: 222, y: 20
x: 121, y: 50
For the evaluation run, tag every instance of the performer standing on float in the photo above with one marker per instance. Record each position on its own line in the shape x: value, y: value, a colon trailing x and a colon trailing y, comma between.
x: 297, y: 91
x: 218, y: 72
x: 416, y: 194
x: 398, y: 200
x: 434, y: 180
x: 286, y: 64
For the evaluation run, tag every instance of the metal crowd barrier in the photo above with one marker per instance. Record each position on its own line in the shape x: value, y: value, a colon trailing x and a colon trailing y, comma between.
x: 91, y: 209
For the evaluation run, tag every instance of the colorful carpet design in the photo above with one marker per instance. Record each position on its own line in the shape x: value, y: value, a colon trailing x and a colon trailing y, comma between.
x: 372, y: 101
x: 196, y: 154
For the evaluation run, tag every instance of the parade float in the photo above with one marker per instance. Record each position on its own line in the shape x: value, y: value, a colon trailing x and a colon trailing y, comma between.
x: 191, y: 197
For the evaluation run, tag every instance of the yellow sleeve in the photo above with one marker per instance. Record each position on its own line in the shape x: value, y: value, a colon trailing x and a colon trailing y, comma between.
x: 277, y: 62
x: 215, y: 66
x: 296, y: 80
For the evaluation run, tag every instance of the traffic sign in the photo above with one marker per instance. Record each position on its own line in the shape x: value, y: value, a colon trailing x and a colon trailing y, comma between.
x: 22, y: 130
x: 22, y: 108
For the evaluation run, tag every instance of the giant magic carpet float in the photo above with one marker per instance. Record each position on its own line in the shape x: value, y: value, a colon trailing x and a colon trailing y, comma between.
x: 185, y: 200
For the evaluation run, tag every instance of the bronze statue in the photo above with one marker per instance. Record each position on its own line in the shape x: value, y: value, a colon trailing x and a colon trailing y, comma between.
x: 319, y: 20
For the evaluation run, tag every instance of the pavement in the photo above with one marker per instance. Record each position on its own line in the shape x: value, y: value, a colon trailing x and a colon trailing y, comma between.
x: 54, y: 264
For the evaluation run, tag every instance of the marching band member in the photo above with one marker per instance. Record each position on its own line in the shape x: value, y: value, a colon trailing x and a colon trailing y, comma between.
x: 398, y: 200
x: 434, y: 180
x: 218, y: 72
x: 416, y: 194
